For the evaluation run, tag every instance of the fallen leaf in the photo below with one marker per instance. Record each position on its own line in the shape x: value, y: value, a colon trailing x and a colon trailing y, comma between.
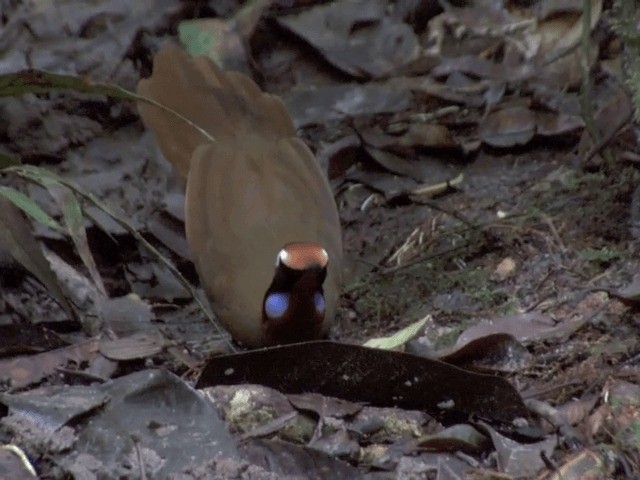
x: 319, y: 105
x: 498, y: 352
x: 357, y: 37
x: 463, y: 438
x: 378, y: 377
x: 27, y: 370
x: 398, y: 339
x: 505, y: 269
x: 508, y: 127
x: 521, y: 460
x: 138, y: 345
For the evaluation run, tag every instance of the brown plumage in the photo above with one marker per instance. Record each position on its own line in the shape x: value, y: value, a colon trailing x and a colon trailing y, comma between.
x: 254, y: 190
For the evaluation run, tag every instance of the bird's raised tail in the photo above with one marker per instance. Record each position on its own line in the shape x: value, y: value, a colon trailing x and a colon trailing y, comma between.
x: 227, y: 105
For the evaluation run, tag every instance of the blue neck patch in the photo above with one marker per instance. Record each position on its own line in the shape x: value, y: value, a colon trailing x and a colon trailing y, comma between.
x: 318, y: 300
x: 276, y: 304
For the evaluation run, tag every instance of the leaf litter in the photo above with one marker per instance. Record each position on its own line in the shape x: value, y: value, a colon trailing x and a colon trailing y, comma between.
x: 396, y: 98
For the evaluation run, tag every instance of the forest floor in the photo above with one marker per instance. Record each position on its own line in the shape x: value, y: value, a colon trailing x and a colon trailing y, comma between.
x: 471, y: 196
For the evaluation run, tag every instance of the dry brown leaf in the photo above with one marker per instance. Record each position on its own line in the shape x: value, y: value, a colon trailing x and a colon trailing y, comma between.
x: 508, y: 127
x: 26, y: 370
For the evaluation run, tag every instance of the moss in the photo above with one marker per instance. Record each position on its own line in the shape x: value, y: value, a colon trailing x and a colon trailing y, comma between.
x: 244, y: 414
x: 299, y: 430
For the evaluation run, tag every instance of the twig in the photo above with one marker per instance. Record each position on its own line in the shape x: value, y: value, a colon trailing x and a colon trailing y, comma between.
x: 81, y: 374
x: 586, y: 94
x: 555, y: 418
x: 136, y: 445
x: 554, y: 232
x: 573, y: 383
x: 424, y: 258
x: 24, y: 460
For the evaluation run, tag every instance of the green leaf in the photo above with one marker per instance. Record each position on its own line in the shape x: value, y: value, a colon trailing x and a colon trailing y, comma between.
x: 39, y: 175
x: 39, y: 81
x: 71, y: 210
x: 42, y: 176
x: 399, y: 338
x: 17, y: 239
x: 30, y: 207
x: 222, y: 40
x: 602, y: 256
x: 74, y: 221
x: 197, y: 41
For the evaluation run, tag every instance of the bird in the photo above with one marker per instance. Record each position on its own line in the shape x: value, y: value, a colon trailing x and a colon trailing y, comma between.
x: 261, y: 221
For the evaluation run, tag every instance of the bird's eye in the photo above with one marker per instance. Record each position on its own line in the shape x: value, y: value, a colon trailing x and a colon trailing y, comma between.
x: 276, y: 304
x: 318, y: 300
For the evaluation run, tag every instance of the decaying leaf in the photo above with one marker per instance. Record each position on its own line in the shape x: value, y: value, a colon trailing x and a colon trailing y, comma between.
x: 493, y: 352
x: 27, y: 370
x: 463, y: 438
x: 378, y: 377
x: 138, y: 345
x: 521, y: 459
x: 381, y: 45
x: 508, y: 127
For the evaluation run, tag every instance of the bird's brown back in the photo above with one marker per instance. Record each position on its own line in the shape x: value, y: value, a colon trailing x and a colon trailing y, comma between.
x: 254, y: 189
